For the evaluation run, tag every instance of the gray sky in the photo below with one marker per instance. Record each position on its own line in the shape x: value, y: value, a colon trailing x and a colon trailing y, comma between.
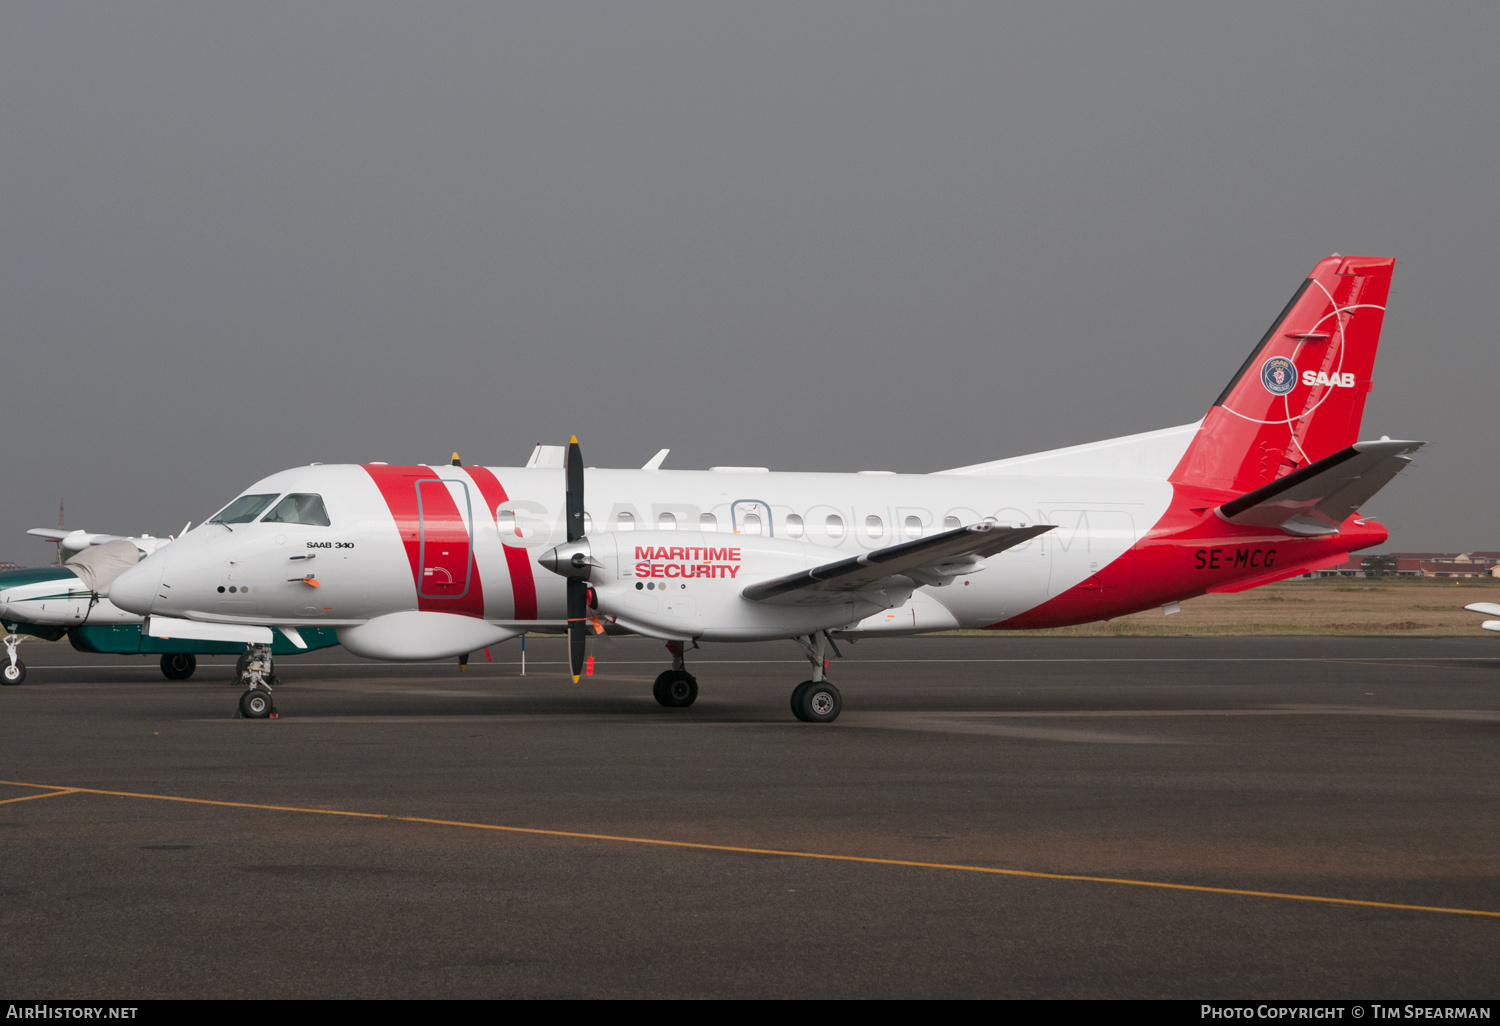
x: 821, y: 236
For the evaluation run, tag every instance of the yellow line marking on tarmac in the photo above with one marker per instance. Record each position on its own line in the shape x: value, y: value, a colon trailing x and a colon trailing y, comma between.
x: 821, y: 856
x: 29, y: 797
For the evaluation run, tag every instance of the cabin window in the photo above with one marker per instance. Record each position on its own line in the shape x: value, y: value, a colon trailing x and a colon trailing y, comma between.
x: 624, y: 521
x: 666, y: 522
x: 243, y: 510
x: 951, y: 523
x: 793, y: 526
x: 708, y: 522
x: 834, y: 525
x: 505, y: 520
x: 299, y: 508
x: 751, y: 524
x: 873, y: 527
x: 914, y: 527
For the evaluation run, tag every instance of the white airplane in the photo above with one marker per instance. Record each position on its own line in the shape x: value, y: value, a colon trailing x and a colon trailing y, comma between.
x: 1488, y: 609
x: 423, y: 562
x: 72, y: 601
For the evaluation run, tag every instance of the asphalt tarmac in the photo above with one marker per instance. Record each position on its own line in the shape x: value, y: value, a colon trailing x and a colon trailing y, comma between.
x: 991, y: 816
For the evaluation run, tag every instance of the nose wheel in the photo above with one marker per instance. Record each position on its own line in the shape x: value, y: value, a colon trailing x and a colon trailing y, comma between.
x: 255, y: 673
x: 256, y: 704
x: 14, y: 671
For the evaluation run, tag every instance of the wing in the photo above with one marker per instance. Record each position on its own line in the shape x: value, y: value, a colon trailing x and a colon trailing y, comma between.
x: 1320, y: 496
x: 935, y: 560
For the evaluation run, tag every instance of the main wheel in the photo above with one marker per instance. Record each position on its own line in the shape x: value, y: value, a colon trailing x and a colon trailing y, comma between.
x: 178, y: 665
x: 241, y: 664
x: 675, y: 689
x: 13, y: 675
x: 797, y: 693
x: 821, y: 702
x: 256, y: 704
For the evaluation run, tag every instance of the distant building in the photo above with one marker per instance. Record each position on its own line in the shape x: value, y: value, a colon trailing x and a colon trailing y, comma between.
x: 1447, y: 565
x: 9, y: 566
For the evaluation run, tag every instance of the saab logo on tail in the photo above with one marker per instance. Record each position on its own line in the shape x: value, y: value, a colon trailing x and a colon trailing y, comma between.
x: 1344, y: 380
x: 1279, y: 375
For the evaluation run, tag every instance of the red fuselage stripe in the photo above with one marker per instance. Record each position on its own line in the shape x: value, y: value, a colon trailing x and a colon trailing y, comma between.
x: 522, y: 584
x: 436, y: 539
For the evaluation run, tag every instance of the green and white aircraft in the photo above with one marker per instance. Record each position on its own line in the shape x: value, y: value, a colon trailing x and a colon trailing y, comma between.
x: 71, y: 601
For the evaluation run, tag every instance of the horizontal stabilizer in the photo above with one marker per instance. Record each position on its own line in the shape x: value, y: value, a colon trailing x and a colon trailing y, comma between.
x: 50, y: 533
x: 1491, y: 625
x: 935, y: 560
x: 192, y: 630
x: 1319, y: 497
x: 73, y: 541
x: 1487, y: 608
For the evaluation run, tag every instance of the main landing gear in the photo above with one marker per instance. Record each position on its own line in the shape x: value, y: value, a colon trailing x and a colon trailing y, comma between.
x: 178, y: 665
x: 676, y: 688
x: 255, y: 673
x: 14, y: 671
x: 813, y: 701
x: 816, y: 700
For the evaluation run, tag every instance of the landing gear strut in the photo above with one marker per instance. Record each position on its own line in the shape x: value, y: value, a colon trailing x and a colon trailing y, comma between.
x: 676, y: 688
x: 15, y: 670
x: 178, y: 665
x: 256, y: 702
x: 816, y: 700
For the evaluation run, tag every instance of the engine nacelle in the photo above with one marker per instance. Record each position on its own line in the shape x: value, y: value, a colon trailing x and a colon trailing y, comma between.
x: 680, y: 585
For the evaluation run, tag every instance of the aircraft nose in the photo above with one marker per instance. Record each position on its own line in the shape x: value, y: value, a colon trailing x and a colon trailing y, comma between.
x: 136, y: 589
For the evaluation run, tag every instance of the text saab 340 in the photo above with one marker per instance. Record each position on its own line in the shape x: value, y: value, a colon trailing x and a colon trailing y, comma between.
x: 422, y: 562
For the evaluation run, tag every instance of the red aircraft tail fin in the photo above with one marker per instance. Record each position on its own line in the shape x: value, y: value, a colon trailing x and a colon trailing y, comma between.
x: 1301, y: 394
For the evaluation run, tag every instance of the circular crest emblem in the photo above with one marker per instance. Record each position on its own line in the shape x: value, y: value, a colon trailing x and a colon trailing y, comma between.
x: 1279, y: 375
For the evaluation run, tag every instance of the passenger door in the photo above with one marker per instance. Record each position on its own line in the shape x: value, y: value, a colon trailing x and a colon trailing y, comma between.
x: 446, y: 533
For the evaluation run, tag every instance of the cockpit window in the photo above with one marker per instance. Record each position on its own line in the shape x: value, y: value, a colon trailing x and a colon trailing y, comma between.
x: 243, y: 510
x: 299, y: 508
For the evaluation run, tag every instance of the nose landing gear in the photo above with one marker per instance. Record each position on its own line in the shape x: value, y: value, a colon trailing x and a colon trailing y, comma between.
x: 255, y: 673
x: 14, y: 671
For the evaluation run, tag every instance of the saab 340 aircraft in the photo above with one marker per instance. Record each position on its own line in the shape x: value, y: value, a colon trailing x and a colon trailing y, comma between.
x: 423, y: 562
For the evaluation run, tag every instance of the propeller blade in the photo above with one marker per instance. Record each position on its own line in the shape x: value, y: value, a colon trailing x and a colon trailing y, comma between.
x: 574, y: 495
x: 578, y: 589
x: 578, y: 612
